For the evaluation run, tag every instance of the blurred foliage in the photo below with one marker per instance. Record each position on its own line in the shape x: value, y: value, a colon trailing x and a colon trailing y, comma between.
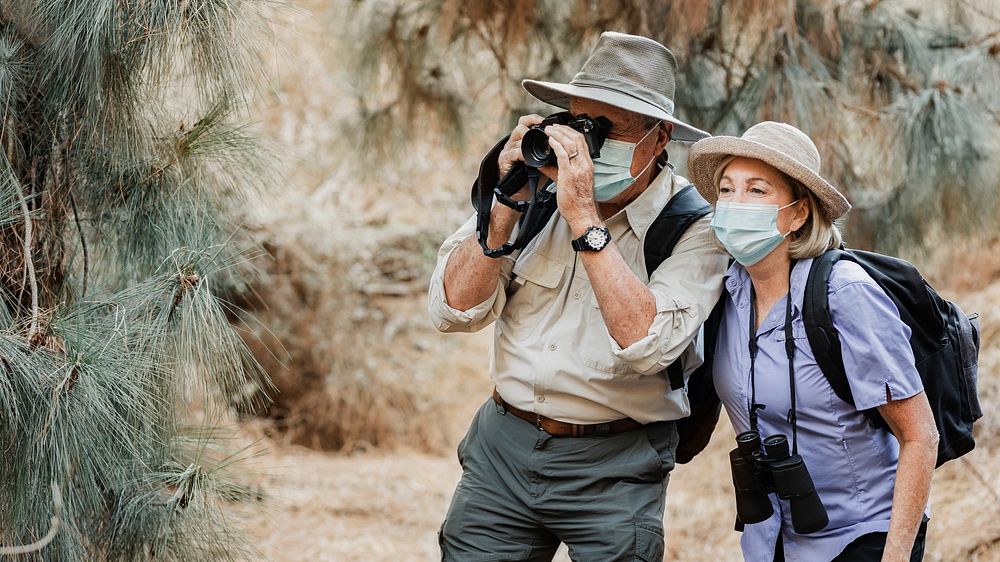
x: 902, y: 103
x: 123, y: 165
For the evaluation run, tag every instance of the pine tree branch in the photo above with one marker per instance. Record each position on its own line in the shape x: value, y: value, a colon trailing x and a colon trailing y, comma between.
x: 16, y: 17
x: 733, y: 97
x: 905, y: 81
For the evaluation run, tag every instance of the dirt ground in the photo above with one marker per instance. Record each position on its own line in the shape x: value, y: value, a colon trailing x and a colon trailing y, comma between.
x: 380, y: 507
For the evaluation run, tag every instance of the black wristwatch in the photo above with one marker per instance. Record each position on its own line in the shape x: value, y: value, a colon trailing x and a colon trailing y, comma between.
x: 594, y: 239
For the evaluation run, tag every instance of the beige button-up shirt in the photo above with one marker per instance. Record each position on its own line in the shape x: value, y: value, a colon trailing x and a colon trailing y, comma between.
x: 552, y: 353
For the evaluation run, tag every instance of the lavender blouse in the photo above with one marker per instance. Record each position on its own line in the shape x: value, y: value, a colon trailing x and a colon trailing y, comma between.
x: 852, y: 464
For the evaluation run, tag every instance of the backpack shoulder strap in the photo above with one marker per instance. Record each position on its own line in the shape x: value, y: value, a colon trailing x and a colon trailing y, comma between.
x: 818, y: 322
x: 684, y: 208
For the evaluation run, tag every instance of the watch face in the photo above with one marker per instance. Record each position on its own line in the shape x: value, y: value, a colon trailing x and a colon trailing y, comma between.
x: 596, y: 238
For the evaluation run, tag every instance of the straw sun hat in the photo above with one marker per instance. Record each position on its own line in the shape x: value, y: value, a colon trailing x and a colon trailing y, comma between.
x: 629, y: 72
x: 777, y: 144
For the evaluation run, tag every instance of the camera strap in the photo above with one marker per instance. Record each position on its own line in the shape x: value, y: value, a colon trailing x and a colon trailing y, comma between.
x: 753, y: 406
x: 489, y: 185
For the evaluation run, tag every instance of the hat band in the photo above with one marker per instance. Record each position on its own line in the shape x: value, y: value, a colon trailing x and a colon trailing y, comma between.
x: 644, y: 95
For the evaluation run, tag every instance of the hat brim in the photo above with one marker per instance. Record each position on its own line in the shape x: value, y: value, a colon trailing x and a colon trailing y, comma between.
x: 559, y: 95
x: 707, y: 155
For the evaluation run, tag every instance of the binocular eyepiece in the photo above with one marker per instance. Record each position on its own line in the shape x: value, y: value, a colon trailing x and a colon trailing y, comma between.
x: 761, y: 469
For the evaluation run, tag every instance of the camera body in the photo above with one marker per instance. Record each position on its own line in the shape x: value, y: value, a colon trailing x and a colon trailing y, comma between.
x: 535, y: 143
x: 761, y: 470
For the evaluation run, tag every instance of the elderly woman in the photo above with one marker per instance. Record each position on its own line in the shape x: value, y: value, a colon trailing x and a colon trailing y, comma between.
x: 774, y: 213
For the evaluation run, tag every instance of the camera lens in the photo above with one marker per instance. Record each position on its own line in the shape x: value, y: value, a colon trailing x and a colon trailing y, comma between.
x: 536, y: 150
x: 776, y: 447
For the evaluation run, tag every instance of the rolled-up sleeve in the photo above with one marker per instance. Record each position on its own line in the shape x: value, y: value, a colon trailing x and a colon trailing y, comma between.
x: 875, y: 343
x: 686, y: 287
x: 448, y: 319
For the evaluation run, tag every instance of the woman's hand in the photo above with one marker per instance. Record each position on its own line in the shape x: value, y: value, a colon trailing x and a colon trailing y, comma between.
x: 912, y: 422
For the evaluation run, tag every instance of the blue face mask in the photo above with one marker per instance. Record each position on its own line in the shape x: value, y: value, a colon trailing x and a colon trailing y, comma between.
x: 613, y: 168
x: 749, y: 231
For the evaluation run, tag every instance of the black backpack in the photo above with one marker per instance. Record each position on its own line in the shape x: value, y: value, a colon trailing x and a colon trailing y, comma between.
x: 695, y: 431
x: 945, y: 343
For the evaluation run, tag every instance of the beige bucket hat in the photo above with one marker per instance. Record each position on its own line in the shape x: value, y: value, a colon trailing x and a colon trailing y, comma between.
x: 778, y: 144
x: 626, y: 71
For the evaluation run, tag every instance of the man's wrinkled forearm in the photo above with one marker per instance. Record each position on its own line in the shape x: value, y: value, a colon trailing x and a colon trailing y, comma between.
x: 470, y: 277
x: 627, y: 305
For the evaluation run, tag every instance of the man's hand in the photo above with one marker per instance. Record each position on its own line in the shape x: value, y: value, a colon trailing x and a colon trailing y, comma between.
x: 511, y: 153
x: 575, y: 194
x: 470, y: 277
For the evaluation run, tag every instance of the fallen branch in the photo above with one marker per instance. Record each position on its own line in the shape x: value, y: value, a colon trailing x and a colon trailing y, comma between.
x: 29, y: 264
x: 44, y: 541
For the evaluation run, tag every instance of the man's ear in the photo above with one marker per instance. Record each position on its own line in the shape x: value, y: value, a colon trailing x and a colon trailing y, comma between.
x: 663, y: 134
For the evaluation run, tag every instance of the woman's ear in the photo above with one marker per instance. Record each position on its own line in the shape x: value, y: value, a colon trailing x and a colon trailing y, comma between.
x: 802, y: 211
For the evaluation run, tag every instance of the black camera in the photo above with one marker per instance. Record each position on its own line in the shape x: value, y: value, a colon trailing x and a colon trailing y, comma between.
x: 759, y: 471
x: 535, y: 143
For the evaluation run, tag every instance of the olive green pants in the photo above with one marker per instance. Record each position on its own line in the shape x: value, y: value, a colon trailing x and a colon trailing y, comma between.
x: 524, y: 491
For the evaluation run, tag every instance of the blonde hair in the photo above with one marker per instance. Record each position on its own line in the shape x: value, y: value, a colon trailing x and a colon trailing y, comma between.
x: 818, y: 234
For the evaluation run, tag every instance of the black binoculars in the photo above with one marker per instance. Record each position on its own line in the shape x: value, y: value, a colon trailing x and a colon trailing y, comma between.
x: 759, y: 471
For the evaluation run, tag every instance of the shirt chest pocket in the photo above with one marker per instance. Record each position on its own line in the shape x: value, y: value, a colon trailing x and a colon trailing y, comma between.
x: 802, y: 348
x: 798, y: 331
x: 530, y: 293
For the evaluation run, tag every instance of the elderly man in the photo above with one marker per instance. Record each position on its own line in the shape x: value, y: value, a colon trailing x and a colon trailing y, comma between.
x: 577, y: 442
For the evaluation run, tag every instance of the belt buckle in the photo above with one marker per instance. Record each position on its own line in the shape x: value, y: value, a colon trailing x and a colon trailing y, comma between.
x: 538, y: 422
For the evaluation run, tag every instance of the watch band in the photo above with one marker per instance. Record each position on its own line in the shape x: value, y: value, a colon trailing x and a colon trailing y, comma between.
x: 589, y: 242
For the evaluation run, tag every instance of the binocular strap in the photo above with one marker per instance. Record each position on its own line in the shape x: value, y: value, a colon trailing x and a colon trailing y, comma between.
x: 753, y: 406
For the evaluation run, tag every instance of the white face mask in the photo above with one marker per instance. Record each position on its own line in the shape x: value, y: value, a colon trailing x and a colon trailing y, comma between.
x: 613, y: 168
x: 749, y: 231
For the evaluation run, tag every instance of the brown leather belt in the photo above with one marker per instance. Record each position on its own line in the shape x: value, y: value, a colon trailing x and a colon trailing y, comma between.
x: 562, y: 429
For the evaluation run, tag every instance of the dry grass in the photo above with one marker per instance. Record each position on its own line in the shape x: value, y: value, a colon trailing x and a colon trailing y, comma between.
x: 354, y: 369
